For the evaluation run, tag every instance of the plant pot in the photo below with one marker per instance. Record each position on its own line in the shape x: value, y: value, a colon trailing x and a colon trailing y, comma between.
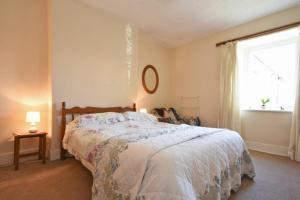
x: 263, y: 107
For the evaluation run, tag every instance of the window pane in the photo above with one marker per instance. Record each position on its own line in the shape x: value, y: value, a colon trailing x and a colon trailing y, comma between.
x: 267, y: 71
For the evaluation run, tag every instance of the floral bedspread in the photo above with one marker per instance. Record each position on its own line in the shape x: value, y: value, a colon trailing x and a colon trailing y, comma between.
x: 153, y: 160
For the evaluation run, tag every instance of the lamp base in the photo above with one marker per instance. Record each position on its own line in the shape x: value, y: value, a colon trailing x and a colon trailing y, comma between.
x: 32, y: 129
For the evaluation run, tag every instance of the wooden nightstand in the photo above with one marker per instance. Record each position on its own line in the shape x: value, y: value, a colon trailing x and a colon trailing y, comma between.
x: 42, y: 146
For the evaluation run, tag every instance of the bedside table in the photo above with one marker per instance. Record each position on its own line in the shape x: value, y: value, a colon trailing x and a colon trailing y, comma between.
x: 42, y: 146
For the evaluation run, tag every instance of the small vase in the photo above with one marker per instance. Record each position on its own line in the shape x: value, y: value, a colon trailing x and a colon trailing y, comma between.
x: 263, y: 107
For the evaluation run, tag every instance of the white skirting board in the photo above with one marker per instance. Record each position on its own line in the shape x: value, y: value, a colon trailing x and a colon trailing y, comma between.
x: 267, y: 148
x: 8, y: 158
x: 54, y: 154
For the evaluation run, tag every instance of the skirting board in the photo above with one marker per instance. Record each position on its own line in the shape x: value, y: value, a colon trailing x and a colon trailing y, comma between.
x: 8, y: 158
x: 54, y: 154
x: 267, y: 148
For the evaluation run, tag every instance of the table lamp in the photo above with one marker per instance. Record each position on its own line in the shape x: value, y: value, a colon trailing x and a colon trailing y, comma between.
x: 33, y: 118
x: 143, y: 110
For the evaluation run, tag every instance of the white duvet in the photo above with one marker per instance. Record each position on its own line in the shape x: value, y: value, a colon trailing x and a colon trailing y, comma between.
x: 151, y: 160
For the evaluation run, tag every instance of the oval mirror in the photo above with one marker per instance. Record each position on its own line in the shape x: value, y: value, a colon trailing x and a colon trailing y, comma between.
x: 150, y: 79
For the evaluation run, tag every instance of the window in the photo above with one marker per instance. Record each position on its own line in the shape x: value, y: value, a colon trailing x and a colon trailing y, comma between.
x: 268, y: 68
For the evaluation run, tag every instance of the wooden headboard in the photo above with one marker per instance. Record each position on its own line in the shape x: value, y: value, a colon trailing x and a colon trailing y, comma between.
x: 87, y: 110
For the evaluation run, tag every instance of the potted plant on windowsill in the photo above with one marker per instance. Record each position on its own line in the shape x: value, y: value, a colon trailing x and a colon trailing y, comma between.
x: 264, y: 101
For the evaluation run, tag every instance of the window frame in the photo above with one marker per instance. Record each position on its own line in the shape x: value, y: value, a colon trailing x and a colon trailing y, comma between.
x: 243, y: 64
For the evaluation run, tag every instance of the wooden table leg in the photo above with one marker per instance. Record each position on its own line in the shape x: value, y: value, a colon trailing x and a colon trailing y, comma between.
x: 44, y: 148
x: 16, y: 152
x: 40, y: 147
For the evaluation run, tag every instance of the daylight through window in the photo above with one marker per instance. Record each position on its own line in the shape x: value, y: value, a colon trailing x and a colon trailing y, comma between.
x: 268, y: 68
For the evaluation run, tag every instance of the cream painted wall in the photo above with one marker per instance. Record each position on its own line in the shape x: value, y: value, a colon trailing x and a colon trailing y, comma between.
x: 90, y: 63
x: 53, y: 51
x: 195, y: 72
x: 267, y: 127
x: 23, y: 67
x: 152, y: 52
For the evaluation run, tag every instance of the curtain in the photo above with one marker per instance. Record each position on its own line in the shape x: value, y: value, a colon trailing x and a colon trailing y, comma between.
x: 229, y: 108
x: 294, y: 146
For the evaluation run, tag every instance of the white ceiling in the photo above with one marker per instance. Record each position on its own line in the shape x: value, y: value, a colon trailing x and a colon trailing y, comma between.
x: 176, y: 22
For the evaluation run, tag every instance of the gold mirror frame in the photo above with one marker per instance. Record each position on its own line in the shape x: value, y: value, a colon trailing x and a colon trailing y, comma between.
x: 144, y: 79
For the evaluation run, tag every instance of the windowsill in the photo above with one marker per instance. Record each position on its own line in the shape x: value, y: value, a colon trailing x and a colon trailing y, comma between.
x: 267, y: 110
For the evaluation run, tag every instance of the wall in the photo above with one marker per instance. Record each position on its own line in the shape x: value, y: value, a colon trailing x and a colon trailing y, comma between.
x: 23, y: 69
x: 97, y: 62
x: 195, y: 72
x: 152, y: 52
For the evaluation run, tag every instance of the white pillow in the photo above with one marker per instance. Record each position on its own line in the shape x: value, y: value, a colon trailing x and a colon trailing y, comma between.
x: 99, y: 118
x: 140, y: 117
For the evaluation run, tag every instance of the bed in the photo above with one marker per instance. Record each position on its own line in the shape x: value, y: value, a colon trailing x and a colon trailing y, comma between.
x: 133, y: 156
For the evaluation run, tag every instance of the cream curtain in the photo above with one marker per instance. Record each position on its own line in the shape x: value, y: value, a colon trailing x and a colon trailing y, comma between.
x: 229, y: 108
x: 294, y: 146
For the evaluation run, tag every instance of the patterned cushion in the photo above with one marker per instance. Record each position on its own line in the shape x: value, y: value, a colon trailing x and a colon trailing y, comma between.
x: 171, y: 116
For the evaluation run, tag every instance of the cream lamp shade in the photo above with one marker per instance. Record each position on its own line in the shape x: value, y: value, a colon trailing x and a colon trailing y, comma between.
x: 33, y: 118
x: 143, y: 110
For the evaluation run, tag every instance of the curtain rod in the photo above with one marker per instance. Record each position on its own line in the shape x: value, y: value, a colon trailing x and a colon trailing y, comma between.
x: 261, y: 33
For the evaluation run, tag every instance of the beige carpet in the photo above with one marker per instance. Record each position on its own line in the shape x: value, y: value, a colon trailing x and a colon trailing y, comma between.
x: 278, y: 178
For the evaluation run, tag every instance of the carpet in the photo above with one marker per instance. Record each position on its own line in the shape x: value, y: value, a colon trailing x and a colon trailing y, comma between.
x: 278, y: 178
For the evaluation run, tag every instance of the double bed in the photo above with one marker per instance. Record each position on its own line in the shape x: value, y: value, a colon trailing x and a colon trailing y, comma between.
x: 133, y: 156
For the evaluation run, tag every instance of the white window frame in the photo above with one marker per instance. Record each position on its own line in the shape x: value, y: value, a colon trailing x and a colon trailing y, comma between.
x: 244, y: 53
